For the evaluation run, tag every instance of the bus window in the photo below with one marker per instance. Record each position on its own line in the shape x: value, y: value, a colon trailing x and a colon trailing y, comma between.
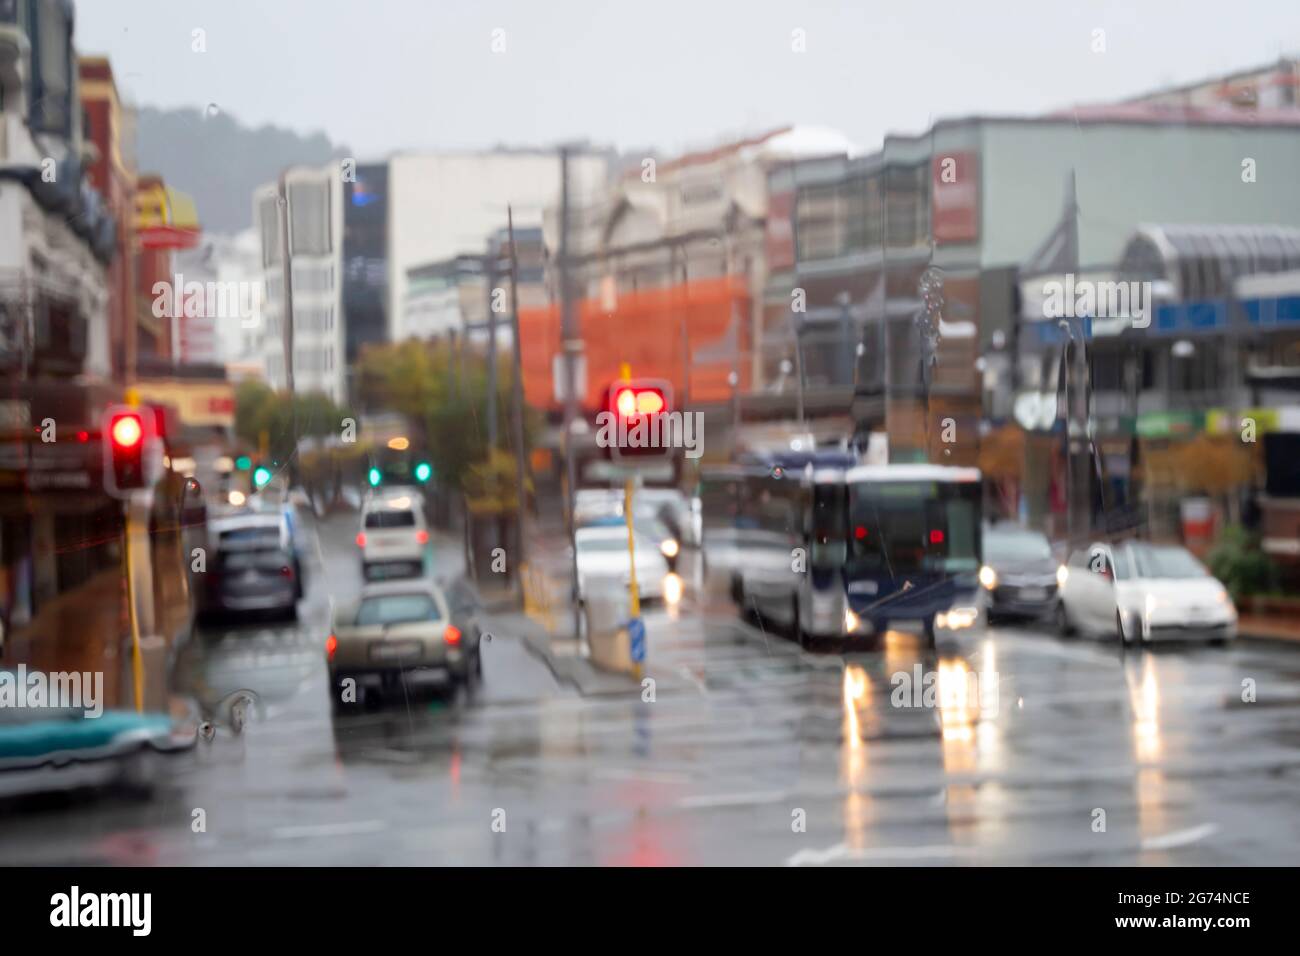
x: 905, y: 527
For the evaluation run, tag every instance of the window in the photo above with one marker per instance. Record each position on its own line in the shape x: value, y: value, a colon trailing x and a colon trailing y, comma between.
x: 391, y: 609
x: 391, y: 518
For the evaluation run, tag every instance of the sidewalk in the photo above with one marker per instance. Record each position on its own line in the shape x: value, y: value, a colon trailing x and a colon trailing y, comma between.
x: 1268, y: 627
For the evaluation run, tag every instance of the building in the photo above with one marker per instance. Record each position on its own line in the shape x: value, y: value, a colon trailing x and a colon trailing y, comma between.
x: 1274, y: 86
x: 443, y: 205
x: 442, y: 298
x: 365, y: 258
x: 668, y: 268
x: 917, y: 253
x: 314, y: 213
x: 111, y: 173
x: 59, y: 531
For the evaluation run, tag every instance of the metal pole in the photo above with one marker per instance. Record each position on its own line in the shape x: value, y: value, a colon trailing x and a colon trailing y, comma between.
x: 517, y: 398
x: 798, y: 358
x: 286, y: 267
x: 490, y: 274
x: 571, y: 342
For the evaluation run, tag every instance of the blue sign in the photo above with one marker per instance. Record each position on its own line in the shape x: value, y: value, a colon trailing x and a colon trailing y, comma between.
x: 636, y: 637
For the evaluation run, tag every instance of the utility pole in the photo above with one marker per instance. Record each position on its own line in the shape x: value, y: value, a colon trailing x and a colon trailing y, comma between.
x: 571, y: 342
x: 286, y: 267
x: 517, y: 400
x: 490, y: 263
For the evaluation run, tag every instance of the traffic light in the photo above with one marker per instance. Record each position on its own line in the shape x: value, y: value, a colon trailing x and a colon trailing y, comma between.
x: 132, y: 453
x: 423, y: 472
x: 637, y: 421
x: 243, y: 463
x: 261, y: 477
x: 374, y: 477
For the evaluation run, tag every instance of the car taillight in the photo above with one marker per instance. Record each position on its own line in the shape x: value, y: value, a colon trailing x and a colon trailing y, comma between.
x: 331, y: 645
x: 361, y: 540
x: 451, y: 636
x: 286, y: 571
x: 422, y: 537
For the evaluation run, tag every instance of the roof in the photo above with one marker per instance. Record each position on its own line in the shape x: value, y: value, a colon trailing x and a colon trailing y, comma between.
x: 1238, y: 249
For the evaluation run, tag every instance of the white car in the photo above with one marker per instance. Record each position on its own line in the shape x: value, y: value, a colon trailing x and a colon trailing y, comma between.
x: 602, y: 556
x: 1144, y: 593
x: 394, y: 535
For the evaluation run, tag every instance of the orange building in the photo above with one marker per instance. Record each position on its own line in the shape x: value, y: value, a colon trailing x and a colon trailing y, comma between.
x: 693, y: 334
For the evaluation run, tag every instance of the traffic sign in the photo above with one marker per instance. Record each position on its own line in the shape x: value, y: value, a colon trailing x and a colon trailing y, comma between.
x: 636, y: 639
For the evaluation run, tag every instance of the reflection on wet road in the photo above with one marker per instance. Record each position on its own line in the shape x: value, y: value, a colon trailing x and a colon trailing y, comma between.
x: 999, y: 748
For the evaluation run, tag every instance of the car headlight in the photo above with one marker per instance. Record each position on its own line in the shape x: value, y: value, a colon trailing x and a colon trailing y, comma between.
x: 988, y: 578
x: 1061, y: 575
x: 851, y: 621
x: 669, y: 547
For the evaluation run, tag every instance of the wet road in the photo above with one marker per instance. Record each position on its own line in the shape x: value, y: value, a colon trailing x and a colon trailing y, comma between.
x: 1027, y: 748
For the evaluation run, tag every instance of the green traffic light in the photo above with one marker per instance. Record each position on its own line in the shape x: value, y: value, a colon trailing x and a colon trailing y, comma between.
x: 261, y: 476
x: 373, y: 477
x: 243, y: 463
x: 423, y: 471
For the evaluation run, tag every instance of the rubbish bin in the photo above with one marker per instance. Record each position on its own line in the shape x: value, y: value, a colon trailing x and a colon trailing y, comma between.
x: 607, y: 608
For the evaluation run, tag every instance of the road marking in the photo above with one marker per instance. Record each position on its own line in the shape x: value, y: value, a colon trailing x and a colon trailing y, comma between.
x: 329, y: 829
x: 1169, y: 841
x: 841, y: 851
x: 731, y: 799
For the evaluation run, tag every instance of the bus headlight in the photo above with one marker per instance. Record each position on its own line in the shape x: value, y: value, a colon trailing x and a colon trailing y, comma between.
x: 957, y: 619
x: 851, y: 621
x: 669, y: 547
x: 988, y: 578
x: 1061, y: 575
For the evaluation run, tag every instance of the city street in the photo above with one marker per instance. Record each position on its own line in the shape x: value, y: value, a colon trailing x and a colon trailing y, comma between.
x: 752, y: 752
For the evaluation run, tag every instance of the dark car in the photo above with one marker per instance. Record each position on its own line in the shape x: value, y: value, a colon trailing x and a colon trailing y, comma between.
x: 255, y: 568
x: 1019, y: 573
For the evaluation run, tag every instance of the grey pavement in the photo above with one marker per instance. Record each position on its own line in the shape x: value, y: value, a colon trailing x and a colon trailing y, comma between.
x: 751, y: 752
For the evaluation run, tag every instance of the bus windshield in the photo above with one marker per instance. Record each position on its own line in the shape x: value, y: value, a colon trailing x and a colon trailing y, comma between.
x: 905, y: 527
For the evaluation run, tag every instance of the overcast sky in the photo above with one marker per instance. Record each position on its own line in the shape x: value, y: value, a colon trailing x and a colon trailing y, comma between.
x: 383, y: 75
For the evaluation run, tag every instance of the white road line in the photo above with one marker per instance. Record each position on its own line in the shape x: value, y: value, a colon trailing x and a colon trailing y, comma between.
x: 840, y: 851
x: 731, y: 799
x: 349, y: 828
x: 1169, y: 841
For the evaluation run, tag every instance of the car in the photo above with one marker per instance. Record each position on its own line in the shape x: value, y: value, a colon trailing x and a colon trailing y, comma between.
x: 256, y: 567
x: 1019, y: 572
x: 1144, y: 593
x: 602, y: 553
x: 651, y: 529
x: 50, y: 749
x: 394, y: 535
x: 399, y: 632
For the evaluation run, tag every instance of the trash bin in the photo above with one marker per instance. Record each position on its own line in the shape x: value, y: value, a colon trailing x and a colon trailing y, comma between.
x: 606, y: 609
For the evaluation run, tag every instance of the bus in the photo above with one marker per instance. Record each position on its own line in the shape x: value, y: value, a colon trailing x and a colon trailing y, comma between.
x: 840, y: 552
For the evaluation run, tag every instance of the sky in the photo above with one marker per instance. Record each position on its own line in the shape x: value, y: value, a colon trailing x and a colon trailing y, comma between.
x: 386, y: 75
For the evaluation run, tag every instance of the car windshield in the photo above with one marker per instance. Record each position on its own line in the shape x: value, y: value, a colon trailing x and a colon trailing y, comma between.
x: 396, y: 609
x: 1009, y: 546
x: 1152, y: 561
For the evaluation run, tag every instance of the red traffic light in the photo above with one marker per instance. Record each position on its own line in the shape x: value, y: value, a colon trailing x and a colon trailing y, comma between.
x: 638, y: 410
x: 629, y: 401
x: 132, y: 449
x: 127, y: 430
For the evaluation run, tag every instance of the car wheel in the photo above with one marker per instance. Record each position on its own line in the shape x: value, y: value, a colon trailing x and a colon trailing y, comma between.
x: 737, y: 592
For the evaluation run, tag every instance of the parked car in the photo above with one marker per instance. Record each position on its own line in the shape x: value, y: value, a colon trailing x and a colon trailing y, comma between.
x: 602, y: 553
x: 1019, y: 572
x: 394, y: 535
x: 399, y: 631
x: 256, y: 567
x: 1144, y: 593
